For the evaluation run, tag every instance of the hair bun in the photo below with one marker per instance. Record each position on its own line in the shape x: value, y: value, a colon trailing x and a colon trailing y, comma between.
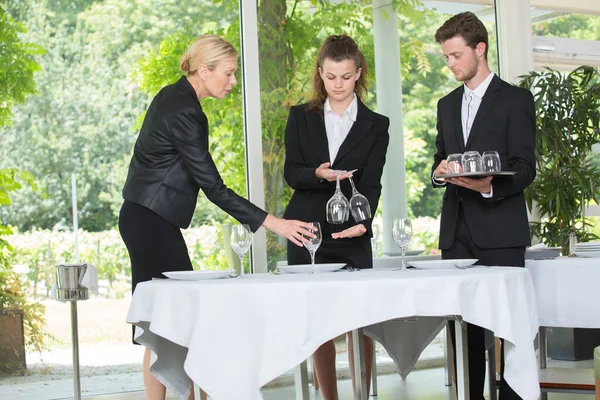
x: 184, y: 62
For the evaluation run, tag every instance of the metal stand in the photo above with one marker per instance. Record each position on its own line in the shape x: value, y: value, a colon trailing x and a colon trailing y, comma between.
x: 68, y: 289
x: 75, y: 337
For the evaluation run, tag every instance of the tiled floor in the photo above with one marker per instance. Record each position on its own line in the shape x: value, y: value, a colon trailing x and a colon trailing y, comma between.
x: 425, y: 384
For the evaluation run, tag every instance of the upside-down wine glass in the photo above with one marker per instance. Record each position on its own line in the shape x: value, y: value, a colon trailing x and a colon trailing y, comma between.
x: 402, y: 233
x: 241, y: 239
x: 359, y: 204
x: 338, y: 207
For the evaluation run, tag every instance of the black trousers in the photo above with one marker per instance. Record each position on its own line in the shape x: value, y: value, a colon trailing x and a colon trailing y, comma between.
x: 463, y: 247
x: 154, y: 245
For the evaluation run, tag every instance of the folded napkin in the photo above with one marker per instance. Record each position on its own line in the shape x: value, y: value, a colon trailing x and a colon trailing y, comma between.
x: 538, y: 246
x: 90, y: 278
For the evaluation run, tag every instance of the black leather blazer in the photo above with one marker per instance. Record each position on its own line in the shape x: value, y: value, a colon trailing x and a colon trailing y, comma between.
x: 505, y: 122
x: 306, y: 148
x: 171, y: 162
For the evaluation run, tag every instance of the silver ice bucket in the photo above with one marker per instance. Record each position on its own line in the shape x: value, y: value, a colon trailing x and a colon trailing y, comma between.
x: 68, y: 282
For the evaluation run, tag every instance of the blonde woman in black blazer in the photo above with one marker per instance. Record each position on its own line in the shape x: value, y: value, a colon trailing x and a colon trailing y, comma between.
x: 315, y: 147
x: 171, y: 163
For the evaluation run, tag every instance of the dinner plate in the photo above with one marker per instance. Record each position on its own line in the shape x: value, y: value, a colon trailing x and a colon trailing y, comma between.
x: 587, y: 254
x: 442, y: 264
x: 542, y: 252
x: 588, y: 244
x: 586, y: 249
x: 197, y: 275
x: 480, y: 174
x: 307, y: 268
x: 399, y: 253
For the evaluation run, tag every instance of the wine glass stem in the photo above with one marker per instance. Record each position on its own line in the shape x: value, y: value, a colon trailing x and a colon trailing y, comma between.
x: 403, y: 259
x: 312, y: 261
x: 242, y: 274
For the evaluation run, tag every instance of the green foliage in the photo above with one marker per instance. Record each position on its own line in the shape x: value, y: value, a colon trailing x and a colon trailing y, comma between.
x: 17, y: 66
x: 568, y: 125
x: 16, y: 76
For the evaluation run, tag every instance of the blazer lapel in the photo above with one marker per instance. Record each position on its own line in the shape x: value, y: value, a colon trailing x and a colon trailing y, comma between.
x: 359, y: 130
x: 316, y: 128
x: 484, y: 107
x: 457, y: 116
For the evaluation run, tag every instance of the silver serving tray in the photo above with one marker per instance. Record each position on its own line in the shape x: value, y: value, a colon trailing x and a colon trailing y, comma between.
x: 481, y: 174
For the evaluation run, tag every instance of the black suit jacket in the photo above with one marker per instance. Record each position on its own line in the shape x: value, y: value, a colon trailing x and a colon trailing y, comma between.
x: 505, y: 122
x: 306, y: 148
x: 171, y: 162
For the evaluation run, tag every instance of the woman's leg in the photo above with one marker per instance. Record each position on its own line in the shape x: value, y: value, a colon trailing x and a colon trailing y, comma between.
x: 324, y: 365
x: 154, y: 389
x: 368, y: 360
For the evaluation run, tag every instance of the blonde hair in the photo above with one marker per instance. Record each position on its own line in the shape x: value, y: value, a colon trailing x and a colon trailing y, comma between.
x: 207, y: 50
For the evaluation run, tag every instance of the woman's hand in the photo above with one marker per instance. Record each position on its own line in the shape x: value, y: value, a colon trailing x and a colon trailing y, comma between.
x: 289, y: 228
x: 330, y: 175
x: 355, y: 231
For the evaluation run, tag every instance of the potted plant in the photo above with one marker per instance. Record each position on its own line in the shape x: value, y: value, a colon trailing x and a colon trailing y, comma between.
x: 21, y: 320
x: 568, y: 177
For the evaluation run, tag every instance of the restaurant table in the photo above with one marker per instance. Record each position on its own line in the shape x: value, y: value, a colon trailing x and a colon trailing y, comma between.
x: 567, y: 296
x: 232, y: 336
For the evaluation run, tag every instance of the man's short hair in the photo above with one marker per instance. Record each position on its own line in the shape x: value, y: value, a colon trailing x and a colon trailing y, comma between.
x: 467, y: 26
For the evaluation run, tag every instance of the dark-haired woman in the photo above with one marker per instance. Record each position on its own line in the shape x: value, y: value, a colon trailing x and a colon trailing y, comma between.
x: 335, y: 132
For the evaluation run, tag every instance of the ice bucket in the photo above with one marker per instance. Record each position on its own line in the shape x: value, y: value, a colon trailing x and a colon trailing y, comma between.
x: 68, y: 278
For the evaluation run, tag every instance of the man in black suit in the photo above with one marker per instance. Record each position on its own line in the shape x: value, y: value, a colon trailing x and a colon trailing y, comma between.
x: 483, y: 218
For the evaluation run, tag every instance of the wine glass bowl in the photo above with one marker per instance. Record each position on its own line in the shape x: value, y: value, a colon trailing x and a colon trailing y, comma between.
x: 359, y: 204
x: 240, y: 240
x: 402, y: 234
x: 338, y: 207
x: 472, y: 162
x: 491, y: 161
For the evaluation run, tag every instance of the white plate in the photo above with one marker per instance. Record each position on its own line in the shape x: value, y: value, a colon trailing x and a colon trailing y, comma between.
x: 399, y: 253
x: 588, y: 244
x: 443, y: 264
x: 307, y: 268
x: 589, y: 254
x: 587, y: 249
x: 197, y: 275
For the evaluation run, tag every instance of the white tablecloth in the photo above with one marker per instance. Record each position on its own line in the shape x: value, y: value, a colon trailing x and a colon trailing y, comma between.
x: 232, y: 336
x: 567, y: 291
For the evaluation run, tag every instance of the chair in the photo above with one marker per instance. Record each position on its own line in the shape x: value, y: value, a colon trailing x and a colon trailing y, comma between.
x: 597, y: 371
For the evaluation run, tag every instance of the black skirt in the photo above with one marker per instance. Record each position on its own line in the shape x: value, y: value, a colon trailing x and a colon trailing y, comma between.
x: 154, y: 244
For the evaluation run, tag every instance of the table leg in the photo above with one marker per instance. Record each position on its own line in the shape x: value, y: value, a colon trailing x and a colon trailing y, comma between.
x: 374, y: 373
x: 301, y: 381
x: 542, y: 345
x: 360, y: 374
x: 462, y: 359
x: 491, y: 353
x: 448, y: 355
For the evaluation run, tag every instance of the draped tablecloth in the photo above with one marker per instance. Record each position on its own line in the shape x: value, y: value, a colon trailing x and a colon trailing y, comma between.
x: 566, y: 290
x: 232, y: 336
